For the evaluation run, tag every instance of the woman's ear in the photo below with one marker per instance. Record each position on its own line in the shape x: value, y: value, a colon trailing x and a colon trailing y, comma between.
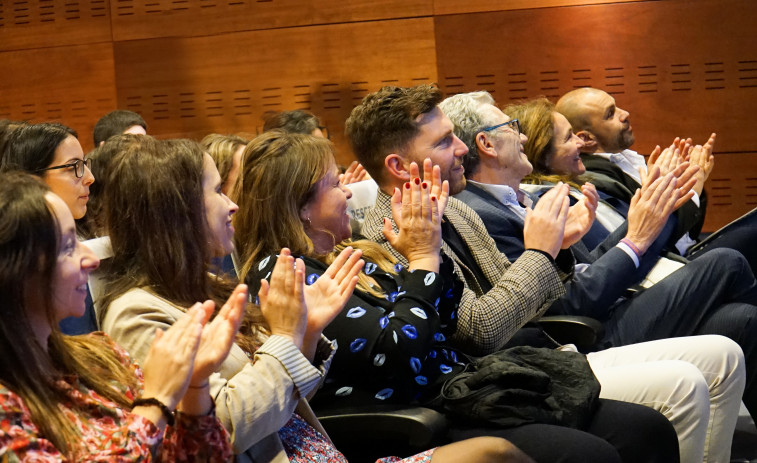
x: 305, y: 213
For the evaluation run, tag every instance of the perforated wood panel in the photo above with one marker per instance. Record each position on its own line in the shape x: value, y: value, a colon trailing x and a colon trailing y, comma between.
x: 139, y: 19
x: 73, y: 85
x: 675, y: 79
x: 45, y: 23
x: 187, y: 87
x: 731, y: 189
x: 476, y: 6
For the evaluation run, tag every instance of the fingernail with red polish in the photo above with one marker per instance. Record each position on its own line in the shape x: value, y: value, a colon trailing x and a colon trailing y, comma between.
x: 407, y: 185
x: 417, y: 181
x: 424, y: 186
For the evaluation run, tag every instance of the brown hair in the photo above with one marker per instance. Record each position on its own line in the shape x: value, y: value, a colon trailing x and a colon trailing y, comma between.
x: 222, y: 148
x: 159, y: 236
x: 29, y: 248
x: 385, y: 122
x: 93, y: 224
x: 537, y: 122
x: 280, y: 175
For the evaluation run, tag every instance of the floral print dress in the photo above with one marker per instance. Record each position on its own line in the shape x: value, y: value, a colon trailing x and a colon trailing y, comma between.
x: 109, y: 433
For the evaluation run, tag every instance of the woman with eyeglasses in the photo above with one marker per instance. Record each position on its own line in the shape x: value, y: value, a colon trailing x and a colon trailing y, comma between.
x: 52, y: 152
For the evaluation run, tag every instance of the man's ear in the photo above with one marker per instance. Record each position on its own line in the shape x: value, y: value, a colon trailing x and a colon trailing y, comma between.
x: 484, y: 145
x: 590, y: 141
x: 395, y: 168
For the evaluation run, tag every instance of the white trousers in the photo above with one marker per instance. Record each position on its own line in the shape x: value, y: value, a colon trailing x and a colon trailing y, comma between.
x: 696, y: 382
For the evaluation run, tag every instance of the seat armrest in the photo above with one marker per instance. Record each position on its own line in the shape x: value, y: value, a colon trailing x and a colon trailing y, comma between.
x: 384, y: 430
x: 584, y: 332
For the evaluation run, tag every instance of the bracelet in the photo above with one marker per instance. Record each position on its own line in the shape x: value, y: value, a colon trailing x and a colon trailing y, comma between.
x: 633, y: 247
x: 167, y: 413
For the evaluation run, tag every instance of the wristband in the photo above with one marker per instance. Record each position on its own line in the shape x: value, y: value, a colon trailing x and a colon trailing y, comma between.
x: 633, y: 247
x: 167, y: 413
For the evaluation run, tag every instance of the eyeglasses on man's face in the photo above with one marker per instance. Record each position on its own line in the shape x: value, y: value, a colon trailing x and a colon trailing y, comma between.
x: 512, y: 124
x: 77, y: 165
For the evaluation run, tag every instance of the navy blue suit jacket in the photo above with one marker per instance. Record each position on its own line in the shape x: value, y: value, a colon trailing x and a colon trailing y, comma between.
x: 592, y: 292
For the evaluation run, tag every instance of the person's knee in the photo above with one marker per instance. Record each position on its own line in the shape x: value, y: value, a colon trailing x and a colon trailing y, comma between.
x: 688, y: 388
x: 725, y: 261
x: 494, y: 450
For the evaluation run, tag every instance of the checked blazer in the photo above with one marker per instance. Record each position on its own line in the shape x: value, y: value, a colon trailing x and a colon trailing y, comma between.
x: 520, y: 292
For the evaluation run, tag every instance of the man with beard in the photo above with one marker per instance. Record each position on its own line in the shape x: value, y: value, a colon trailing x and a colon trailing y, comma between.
x: 613, y: 168
x: 395, y: 130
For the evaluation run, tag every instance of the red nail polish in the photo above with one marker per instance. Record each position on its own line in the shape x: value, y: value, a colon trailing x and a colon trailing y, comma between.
x: 424, y: 186
x: 417, y: 181
x: 407, y: 185
x: 433, y: 198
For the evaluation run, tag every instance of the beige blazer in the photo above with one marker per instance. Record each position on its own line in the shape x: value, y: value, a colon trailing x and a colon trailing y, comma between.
x: 254, y: 399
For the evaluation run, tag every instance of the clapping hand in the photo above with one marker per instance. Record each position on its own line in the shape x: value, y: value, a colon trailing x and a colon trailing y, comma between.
x: 168, y: 366
x: 354, y: 173
x: 282, y: 302
x: 416, y: 212
x: 326, y: 297
x: 544, y: 226
x: 218, y: 336
x: 580, y: 216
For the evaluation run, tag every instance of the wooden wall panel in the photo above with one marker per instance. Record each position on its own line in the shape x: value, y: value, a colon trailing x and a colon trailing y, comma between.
x: 141, y: 19
x: 49, y: 23
x: 74, y: 85
x: 476, y: 6
x: 675, y: 78
x: 185, y: 87
x: 731, y: 189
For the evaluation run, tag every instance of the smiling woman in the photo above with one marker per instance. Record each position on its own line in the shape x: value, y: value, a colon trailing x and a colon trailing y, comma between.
x: 77, y: 398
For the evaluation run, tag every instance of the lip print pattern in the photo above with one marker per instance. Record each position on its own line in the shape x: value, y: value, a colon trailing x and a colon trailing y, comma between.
x: 418, y: 312
x: 355, y: 312
x: 357, y: 345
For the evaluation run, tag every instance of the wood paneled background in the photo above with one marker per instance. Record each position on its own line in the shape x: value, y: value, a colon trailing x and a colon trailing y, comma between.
x: 191, y: 67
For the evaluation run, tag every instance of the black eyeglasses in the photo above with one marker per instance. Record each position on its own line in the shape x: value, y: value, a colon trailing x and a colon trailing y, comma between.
x: 77, y: 165
x: 513, y: 124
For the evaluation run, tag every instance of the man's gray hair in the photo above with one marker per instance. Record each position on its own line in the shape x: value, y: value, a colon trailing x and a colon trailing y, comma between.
x: 464, y: 110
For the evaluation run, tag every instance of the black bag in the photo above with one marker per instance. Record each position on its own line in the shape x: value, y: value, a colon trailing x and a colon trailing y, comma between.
x: 524, y: 385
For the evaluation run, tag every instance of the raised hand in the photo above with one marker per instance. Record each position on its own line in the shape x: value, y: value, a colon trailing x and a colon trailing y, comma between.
x: 218, y: 336
x: 544, y: 226
x: 439, y: 188
x: 650, y: 208
x: 701, y: 156
x: 580, y: 216
x: 326, y: 297
x: 354, y: 173
x: 168, y: 366
x: 282, y: 302
x: 416, y: 213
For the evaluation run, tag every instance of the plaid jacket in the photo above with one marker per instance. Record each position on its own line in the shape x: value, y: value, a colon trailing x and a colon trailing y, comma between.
x: 520, y: 292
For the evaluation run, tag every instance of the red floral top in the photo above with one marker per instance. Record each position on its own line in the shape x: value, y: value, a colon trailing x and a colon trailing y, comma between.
x: 109, y: 433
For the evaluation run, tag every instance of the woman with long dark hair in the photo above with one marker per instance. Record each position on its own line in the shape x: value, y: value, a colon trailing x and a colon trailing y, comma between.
x: 80, y: 398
